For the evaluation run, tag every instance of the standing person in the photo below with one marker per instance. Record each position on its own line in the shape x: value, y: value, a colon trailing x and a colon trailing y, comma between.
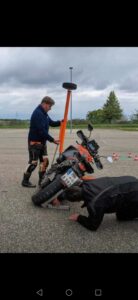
x: 37, y: 138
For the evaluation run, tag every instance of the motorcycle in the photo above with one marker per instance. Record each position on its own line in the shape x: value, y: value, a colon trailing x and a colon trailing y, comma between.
x: 70, y: 168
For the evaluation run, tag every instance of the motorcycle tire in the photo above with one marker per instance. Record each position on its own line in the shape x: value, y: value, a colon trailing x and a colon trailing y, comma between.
x: 48, y: 192
x: 44, y: 183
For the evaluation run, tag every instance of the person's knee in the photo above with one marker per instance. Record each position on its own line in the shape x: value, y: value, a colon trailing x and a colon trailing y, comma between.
x: 31, y: 167
x: 44, y: 164
x: 45, y: 161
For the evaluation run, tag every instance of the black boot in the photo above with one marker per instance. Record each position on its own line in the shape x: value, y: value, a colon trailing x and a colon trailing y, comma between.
x: 41, y: 176
x: 26, y: 182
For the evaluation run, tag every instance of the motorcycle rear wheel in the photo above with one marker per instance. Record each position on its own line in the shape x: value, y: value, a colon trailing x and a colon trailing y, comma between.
x: 48, y: 192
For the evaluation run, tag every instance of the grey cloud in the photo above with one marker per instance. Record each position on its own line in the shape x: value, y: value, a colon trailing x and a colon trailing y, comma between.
x: 96, y: 67
x: 33, y: 72
x: 129, y: 84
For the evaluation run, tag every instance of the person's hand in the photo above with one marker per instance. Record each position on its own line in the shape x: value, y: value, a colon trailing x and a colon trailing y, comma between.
x: 56, y: 142
x: 74, y: 217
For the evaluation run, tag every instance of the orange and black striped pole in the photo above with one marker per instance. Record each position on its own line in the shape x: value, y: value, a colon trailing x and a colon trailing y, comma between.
x: 69, y: 87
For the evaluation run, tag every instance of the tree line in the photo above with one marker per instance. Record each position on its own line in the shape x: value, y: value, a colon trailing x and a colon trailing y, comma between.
x: 110, y: 113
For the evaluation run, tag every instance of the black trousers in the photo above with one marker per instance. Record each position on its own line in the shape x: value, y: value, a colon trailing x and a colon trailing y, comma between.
x: 36, y: 152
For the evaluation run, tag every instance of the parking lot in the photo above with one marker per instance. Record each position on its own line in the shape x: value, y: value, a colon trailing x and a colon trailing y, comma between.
x: 26, y: 228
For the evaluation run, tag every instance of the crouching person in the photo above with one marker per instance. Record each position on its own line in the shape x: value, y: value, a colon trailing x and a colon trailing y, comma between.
x: 108, y: 195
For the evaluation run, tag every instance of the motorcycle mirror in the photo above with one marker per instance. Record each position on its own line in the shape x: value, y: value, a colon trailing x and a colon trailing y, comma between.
x: 90, y: 127
x: 80, y: 134
x: 109, y: 158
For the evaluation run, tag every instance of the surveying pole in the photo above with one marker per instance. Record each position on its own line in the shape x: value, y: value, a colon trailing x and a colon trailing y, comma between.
x: 71, y: 68
x: 69, y: 86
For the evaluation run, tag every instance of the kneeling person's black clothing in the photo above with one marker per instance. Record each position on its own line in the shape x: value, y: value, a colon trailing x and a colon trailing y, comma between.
x: 105, y: 195
x: 109, y: 195
x: 127, y: 209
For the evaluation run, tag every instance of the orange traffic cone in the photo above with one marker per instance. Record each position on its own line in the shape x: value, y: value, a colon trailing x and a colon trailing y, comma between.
x: 115, y: 156
x: 129, y: 155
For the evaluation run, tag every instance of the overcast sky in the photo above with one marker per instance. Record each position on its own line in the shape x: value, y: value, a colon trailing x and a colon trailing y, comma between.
x: 27, y: 74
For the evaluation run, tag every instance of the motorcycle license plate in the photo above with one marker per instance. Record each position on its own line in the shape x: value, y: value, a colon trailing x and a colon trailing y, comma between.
x: 69, y: 178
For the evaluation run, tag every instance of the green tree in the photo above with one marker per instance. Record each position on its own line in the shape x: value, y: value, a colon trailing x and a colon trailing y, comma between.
x: 111, y: 109
x: 134, y: 117
x: 95, y: 116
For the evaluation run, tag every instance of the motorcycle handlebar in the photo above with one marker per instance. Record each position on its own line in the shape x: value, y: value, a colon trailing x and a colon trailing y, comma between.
x: 81, y: 135
x: 98, y: 162
x: 94, y: 153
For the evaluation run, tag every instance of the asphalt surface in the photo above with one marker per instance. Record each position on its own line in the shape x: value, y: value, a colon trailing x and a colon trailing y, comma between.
x: 25, y: 228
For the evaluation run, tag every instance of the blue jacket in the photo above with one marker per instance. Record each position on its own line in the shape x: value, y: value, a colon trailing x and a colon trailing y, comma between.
x: 39, y: 126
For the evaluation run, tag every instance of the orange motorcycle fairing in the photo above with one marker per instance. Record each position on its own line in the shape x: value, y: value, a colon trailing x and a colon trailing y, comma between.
x: 84, y: 151
x: 87, y: 177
